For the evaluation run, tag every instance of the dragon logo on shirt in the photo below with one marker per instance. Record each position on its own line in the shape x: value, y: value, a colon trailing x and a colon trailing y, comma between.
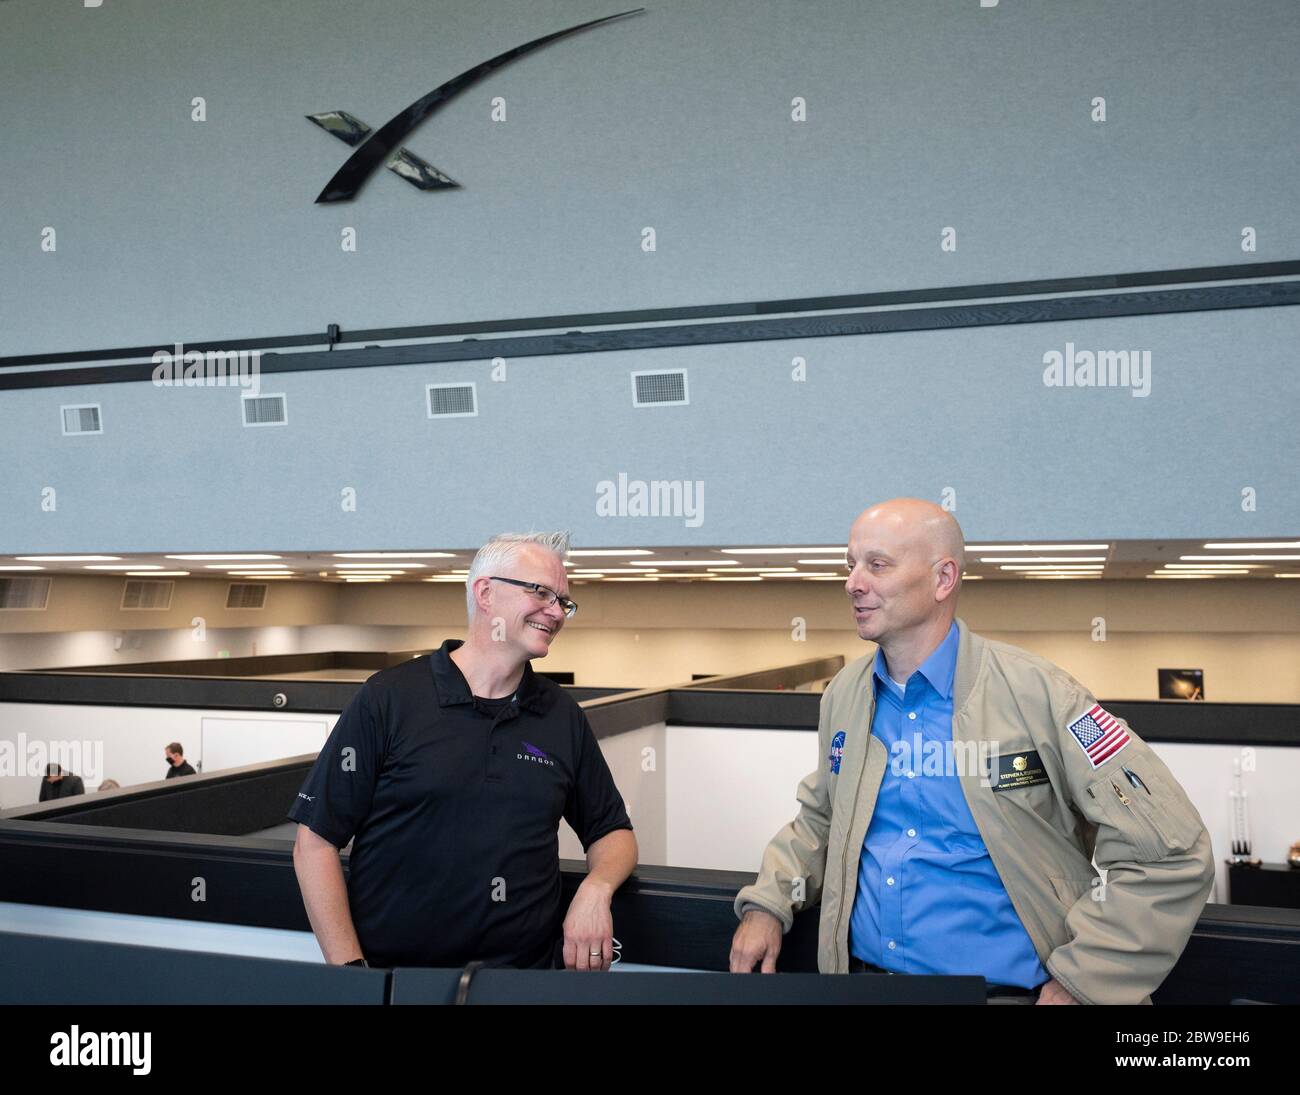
x: 531, y: 752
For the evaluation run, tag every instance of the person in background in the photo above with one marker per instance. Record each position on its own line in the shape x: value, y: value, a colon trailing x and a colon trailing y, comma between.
x: 178, y: 765
x: 110, y: 785
x: 60, y: 784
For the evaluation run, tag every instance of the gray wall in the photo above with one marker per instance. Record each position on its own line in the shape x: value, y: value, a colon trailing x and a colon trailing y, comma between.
x: 921, y: 115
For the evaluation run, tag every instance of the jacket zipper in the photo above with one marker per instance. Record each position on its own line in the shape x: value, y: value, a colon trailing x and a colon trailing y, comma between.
x: 844, y: 859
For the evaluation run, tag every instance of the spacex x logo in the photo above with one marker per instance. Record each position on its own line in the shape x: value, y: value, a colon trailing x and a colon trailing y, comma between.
x: 384, y: 144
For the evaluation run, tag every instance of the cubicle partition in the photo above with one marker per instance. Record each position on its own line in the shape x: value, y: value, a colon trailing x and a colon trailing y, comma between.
x: 185, y: 852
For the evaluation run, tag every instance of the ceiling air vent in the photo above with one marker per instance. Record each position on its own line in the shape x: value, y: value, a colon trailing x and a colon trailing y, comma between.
x: 265, y: 410
x: 452, y: 400
x: 83, y: 418
x: 246, y: 595
x: 29, y: 593
x: 659, y: 389
x: 143, y: 593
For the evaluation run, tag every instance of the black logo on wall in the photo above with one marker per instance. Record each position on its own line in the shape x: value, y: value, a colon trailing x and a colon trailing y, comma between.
x: 384, y: 145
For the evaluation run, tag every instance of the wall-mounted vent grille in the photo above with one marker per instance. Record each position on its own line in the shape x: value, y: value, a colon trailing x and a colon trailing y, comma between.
x: 83, y: 418
x: 246, y: 595
x: 265, y: 410
x: 452, y: 400
x: 28, y: 593
x: 143, y: 593
x: 659, y: 389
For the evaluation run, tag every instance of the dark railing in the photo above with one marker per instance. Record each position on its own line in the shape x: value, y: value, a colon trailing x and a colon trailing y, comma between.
x: 663, y: 915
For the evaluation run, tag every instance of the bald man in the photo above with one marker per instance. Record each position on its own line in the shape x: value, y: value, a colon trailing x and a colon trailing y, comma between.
x: 964, y: 788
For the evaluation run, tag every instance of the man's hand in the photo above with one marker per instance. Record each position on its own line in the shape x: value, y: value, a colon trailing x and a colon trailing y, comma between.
x: 1055, y: 993
x: 589, y: 927
x: 757, y: 940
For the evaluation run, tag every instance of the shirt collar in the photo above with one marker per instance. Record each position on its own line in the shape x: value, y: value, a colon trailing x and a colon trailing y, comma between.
x: 452, y: 688
x: 937, y: 669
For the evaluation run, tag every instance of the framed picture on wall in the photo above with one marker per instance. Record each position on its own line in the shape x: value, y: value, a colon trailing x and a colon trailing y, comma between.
x: 1182, y: 684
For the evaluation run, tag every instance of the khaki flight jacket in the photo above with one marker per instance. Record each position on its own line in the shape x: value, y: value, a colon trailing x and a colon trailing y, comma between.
x: 1113, y: 943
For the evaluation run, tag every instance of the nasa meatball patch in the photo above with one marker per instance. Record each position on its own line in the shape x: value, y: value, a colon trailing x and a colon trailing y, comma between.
x: 837, y: 753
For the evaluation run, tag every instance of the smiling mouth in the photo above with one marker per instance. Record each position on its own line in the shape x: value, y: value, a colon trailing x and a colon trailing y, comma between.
x: 541, y: 627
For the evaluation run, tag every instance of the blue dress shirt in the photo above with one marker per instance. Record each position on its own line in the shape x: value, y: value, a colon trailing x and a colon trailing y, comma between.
x: 929, y: 899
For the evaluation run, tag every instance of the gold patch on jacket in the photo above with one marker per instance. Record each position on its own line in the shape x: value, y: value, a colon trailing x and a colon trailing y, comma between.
x: 1020, y: 770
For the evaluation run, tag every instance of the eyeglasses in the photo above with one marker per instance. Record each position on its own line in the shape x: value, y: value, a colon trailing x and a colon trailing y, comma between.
x: 545, y: 594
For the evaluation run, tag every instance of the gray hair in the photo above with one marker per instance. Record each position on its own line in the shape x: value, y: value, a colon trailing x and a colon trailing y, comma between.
x: 503, y: 549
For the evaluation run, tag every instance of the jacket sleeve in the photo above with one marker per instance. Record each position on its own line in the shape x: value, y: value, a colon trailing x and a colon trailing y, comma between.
x: 794, y: 862
x: 1126, y: 934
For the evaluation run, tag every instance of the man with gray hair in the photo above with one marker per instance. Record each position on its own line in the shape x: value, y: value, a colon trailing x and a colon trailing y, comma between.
x: 449, y: 774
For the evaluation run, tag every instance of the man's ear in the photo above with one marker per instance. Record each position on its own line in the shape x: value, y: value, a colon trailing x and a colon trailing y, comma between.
x: 949, y: 575
x: 482, y: 593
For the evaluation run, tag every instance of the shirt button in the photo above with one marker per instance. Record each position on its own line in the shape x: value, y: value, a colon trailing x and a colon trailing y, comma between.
x: 911, y: 832
x: 889, y: 881
x: 892, y: 944
x: 911, y: 714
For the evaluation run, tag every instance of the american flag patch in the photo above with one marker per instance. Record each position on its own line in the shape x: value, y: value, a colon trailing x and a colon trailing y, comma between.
x: 1099, y: 734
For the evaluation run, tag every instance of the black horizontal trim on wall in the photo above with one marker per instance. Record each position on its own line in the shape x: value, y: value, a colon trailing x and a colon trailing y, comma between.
x: 1107, y: 303
x: 122, y: 688
x: 119, y: 689
x: 1153, y: 720
x: 619, y: 712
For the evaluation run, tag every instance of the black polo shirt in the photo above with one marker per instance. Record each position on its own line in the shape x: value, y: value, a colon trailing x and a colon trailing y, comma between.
x: 453, y: 805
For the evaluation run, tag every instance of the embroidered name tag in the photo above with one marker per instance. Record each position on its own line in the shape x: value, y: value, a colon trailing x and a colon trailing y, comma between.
x: 1020, y: 770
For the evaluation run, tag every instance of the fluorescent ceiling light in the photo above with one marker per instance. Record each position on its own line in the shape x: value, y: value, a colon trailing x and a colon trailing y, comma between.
x: 1214, y: 566
x: 611, y: 552
x: 379, y: 566
x: 1259, y: 544
x: 221, y: 558
x: 1037, y: 547
x: 821, y: 562
x: 804, y: 574
x: 644, y: 578
x: 781, y: 550
x: 1046, y: 559
x: 1053, y: 566
x: 155, y: 573
x: 619, y: 570
x: 126, y: 566
x: 1236, y: 558
x: 68, y: 558
x: 7, y: 567
x: 394, y: 555
x: 683, y: 563
x: 758, y: 570
x: 736, y: 578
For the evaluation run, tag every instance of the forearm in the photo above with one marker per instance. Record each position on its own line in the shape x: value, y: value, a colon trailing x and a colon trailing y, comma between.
x: 610, y: 860
x: 325, y: 896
